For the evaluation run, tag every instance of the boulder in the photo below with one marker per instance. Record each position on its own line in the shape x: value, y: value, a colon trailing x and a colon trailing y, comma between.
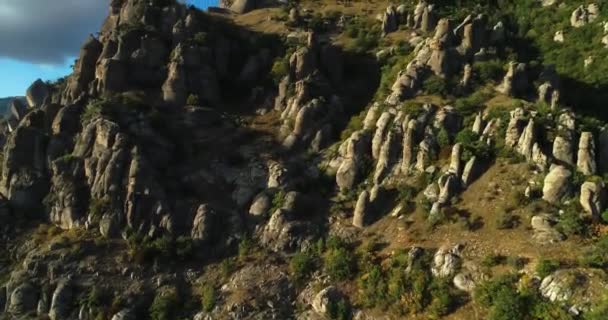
x: 556, y: 184
x: 260, y: 205
x: 593, y: 197
x: 544, y: 231
x: 446, y: 262
x: 326, y: 299
x: 23, y: 299
x: 585, y: 161
x: 37, y: 93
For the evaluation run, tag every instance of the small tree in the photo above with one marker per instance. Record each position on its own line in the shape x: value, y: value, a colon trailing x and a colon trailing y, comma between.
x: 192, y: 100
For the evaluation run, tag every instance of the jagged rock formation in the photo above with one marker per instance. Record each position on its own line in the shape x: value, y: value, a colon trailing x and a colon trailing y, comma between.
x: 308, y: 115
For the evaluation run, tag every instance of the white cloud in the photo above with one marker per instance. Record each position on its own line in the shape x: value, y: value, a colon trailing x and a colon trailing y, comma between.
x: 47, y: 31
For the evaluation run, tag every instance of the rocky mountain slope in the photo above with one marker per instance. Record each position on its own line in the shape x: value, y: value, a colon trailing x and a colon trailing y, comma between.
x: 314, y: 160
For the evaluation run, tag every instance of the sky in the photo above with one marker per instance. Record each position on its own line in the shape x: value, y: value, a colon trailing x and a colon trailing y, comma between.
x: 42, y: 38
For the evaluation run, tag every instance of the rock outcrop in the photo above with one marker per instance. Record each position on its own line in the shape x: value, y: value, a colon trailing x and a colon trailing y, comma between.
x: 515, y: 82
x: 556, y: 184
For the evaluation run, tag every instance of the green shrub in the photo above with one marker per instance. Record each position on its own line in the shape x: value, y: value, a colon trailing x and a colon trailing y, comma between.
x: 339, y: 310
x: 596, y: 255
x: 192, y: 100
x: 492, y: 260
x: 338, y: 260
x: 435, y: 85
x: 571, y: 223
x: 546, y: 267
x: 302, y: 264
x: 278, y: 200
x: 487, y: 71
x: 98, y: 206
x: 502, y: 299
x: 599, y: 311
x: 280, y: 69
x: 443, y: 138
x: 245, y: 246
x: 373, y: 288
x: 208, y: 297
x: 443, y: 301
x: 604, y: 217
x: 165, y: 304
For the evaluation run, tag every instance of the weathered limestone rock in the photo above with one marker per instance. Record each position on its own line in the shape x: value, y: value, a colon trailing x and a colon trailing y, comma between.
x: 244, y: 6
x: 390, y: 20
x: 426, y: 152
x: 387, y: 156
x: 369, y: 122
x: 260, y: 205
x: 467, y: 75
x: 455, y: 160
x: 447, y: 261
x: 584, y: 15
x: 361, y: 208
x: 448, y: 188
x: 325, y: 299
x: 37, y: 93
x: 559, y: 36
x: 557, y: 184
x: 544, y: 232
x: 18, y: 109
x: 539, y: 157
x: 593, y: 197
x: 357, y: 149
x: 84, y: 70
x: 303, y: 62
x: 61, y: 303
x: 472, y: 170
x: 23, y: 299
x: 24, y: 174
x: 514, y: 128
x: 563, y: 150
x: 70, y: 193
x: 202, y: 225
x: 407, y: 155
x: 527, y: 140
x: 586, y: 154
x: 408, y: 82
x: 382, y: 129
x: 515, y: 82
